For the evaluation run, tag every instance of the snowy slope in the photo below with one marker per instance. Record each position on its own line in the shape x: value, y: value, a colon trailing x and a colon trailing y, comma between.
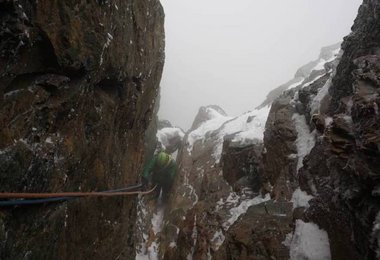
x: 246, y: 128
x: 308, y: 73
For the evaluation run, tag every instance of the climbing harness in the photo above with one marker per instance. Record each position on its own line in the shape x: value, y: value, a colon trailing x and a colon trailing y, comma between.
x: 39, y: 198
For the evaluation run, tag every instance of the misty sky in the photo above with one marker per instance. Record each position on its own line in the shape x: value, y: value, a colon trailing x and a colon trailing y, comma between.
x: 232, y: 53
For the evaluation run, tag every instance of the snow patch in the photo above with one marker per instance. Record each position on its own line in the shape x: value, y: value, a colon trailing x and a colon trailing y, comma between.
x: 242, y: 208
x: 199, y: 134
x: 305, y: 139
x: 300, y: 199
x: 164, y: 135
x: 218, y: 239
x: 309, y: 242
x: 157, y: 220
x: 248, y: 129
x: 143, y: 252
x: 296, y: 84
x: 322, y: 93
x: 313, y: 81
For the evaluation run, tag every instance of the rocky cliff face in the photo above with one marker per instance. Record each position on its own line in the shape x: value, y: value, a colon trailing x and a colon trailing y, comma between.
x: 332, y: 126
x: 218, y: 180
x: 302, y: 187
x: 78, y: 83
x: 295, y: 178
x: 289, y: 133
x: 233, y: 196
x: 346, y: 182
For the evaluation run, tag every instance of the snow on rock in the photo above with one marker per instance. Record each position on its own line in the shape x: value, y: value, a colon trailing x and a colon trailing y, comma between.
x: 217, y: 240
x: 313, y: 81
x: 309, y: 242
x: 194, y: 236
x: 157, y: 221
x: 146, y: 250
x: 251, y: 126
x: 305, y: 139
x: 300, y: 199
x: 296, y: 84
x: 322, y: 93
x: 332, y: 55
x: 216, y: 120
x: 247, y: 128
x: 242, y: 208
x: 167, y: 134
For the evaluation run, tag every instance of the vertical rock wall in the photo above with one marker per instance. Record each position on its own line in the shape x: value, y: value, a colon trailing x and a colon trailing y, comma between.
x: 343, y: 168
x: 330, y: 130
x: 78, y: 84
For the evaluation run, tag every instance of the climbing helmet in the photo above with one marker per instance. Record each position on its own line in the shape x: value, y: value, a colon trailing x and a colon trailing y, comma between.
x: 163, y: 159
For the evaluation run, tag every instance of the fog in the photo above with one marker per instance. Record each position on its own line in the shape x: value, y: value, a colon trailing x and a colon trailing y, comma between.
x: 232, y: 53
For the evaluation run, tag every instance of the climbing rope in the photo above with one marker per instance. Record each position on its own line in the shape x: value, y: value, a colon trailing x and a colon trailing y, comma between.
x: 39, y: 198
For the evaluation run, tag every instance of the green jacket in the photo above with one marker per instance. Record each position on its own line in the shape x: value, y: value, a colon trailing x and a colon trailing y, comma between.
x: 154, y: 173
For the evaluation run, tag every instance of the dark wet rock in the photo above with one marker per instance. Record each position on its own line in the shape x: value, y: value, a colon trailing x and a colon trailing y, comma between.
x: 78, y: 83
x: 364, y: 40
x: 279, y: 156
x: 376, y: 236
x: 259, y: 233
x: 242, y: 166
x: 343, y: 168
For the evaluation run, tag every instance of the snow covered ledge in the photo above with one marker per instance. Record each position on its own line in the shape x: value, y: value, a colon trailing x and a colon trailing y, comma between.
x: 308, y: 242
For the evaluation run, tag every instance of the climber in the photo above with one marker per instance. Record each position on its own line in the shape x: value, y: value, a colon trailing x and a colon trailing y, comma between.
x: 160, y: 171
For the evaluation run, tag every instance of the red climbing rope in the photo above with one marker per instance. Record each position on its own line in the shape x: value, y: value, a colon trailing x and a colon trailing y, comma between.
x: 10, y: 195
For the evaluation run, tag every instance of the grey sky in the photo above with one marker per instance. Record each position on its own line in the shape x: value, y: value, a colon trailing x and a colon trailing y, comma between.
x: 232, y: 53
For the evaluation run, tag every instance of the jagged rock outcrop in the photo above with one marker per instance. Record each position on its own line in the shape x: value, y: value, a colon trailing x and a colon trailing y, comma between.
x: 220, y: 205
x: 259, y: 233
x: 218, y: 180
x: 345, y: 183
x: 294, y: 108
x: 319, y: 161
x: 333, y: 126
x: 306, y: 73
x: 78, y: 82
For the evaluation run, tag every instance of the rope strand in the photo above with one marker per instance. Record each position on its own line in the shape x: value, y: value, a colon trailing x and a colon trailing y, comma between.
x: 10, y: 195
